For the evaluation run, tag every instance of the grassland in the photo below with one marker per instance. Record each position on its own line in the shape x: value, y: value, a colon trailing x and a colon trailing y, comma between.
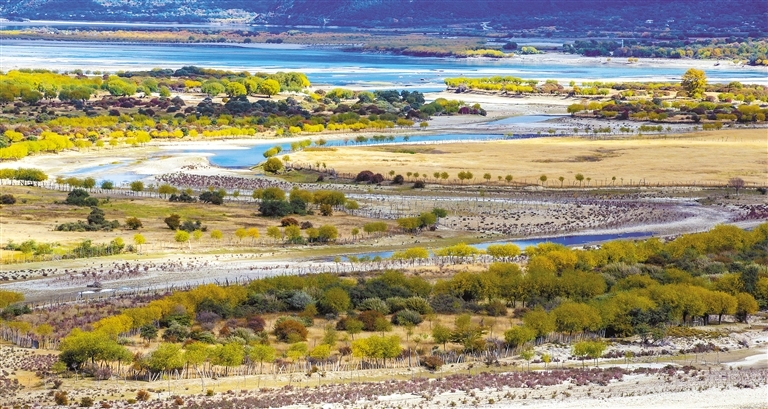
x: 705, y: 157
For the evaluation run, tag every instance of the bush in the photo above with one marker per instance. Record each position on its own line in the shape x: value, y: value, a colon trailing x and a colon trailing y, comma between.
x: 7, y: 199
x: 496, y: 308
x: 406, y: 317
x: 419, y: 184
x: 184, y: 197
x: 142, y: 396
x: 61, y: 398
x: 289, y: 221
x: 255, y: 323
x: 364, y: 176
x: 275, y: 208
x: 215, y: 198
x: 374, y: 304
x: 273, y: 165
x: 290, y: 330
x: 432, y: 362
x: 369, y: 318
x: 396, y: 304
x: 79, y: 197
x: 133, y: 223
x: 326, y: 210
x: 173, y: 221
x: 398, y: 180
x: 418, y: 304
x: 209, y: 392
x: 446, y: 304
x: 86, y: 402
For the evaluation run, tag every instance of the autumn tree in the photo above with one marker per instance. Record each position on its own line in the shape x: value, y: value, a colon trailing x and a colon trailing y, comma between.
x: 694, y: 82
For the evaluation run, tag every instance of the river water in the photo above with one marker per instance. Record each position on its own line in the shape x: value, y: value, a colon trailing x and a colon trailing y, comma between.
x: 568, y: 241
x: 333, y: 66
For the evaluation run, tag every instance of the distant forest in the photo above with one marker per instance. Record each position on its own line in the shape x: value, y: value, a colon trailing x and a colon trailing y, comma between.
x: 557, y: 18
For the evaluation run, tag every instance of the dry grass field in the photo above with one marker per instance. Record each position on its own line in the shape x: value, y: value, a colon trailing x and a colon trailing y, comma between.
x: 708, y: 157
x: 37, y: 218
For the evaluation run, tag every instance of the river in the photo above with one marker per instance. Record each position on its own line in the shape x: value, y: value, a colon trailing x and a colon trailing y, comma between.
x: 333, y: 66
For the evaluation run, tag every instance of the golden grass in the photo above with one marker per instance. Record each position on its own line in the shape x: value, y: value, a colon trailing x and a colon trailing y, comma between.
x: 37, y: 219
x: 710, y: 157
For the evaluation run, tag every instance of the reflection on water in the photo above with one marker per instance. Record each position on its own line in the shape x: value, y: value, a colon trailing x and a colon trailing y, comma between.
x: 568, y: 241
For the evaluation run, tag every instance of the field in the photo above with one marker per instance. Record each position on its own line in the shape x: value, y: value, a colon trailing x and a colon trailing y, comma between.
x: 667, y: 160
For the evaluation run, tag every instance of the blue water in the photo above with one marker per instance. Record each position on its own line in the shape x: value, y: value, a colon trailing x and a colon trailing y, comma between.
x: 568, y: 241
x: 524, y: 119
x: 331, y: 66
x: 240, y: 158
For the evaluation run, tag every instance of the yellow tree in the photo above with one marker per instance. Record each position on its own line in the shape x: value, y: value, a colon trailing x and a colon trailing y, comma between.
x: 694, y: 82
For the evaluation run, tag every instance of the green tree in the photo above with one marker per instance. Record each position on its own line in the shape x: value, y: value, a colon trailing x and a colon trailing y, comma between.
x: 167, y: 357
x: 589, y: 349
x: 327, y: 233
x: 539, y: 321
x: 228, y: 355
x: 527, y: 354
x: 212, y: 88
x: 262, y: 353
x: 580, y: 178
x: 519, y: 335
x: 543, y: 179
x: 334, y: 301
x: 441, y: 334
x: 148, y: 332
x: 137, y: 186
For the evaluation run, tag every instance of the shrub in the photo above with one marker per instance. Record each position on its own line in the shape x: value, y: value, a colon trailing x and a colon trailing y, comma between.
x: 406, y: 317
x: 326, y: 210
x: 209, y: 392
x: 173, y: 221
x: 446, y: 304
x: 418, y: 304
x: 496, y: 308
x: 396, y: 304
x: 364, y: 176
x: 305, y: 225
x: 86, y: 402
x: 299, y: 300
x: 432, y: 362
x: 133, y: 223
x: 79, y: 197
x: 290, y: 329
x: 142, y: 395
x: 374, y: 304
x: 275, y: 208
x: 419, y: 184
x: 7, y: 199
x: 61, y: 398
x: 215, y: 198
x: 255, y: 323
x: 398, y: 180
x: 289, y: 221
x: 184, y: 197
x: 368, y: 318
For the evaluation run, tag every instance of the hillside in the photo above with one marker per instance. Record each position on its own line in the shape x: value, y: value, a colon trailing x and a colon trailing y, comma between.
x: 559, y: 16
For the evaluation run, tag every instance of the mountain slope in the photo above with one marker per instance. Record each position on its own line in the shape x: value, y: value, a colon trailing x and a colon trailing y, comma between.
x: 627, y: 14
